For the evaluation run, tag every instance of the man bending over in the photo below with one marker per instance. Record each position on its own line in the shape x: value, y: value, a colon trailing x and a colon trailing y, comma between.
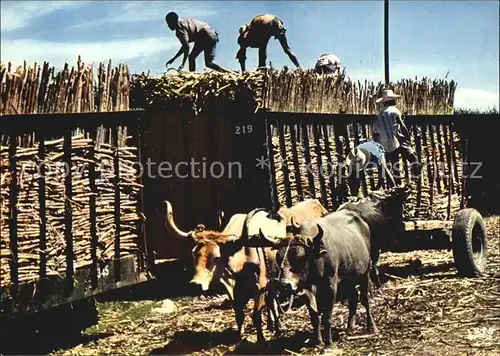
x: 204, y: 37
x: 257, y: 35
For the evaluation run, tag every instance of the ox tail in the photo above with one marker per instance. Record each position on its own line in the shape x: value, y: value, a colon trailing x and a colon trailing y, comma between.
x: 249, y: 217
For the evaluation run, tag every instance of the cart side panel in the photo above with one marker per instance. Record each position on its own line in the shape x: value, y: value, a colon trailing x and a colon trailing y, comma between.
x: 73, y: 188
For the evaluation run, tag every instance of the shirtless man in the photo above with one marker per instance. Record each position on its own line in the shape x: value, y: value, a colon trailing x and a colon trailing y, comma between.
x: 204, y: 37
x: 257, y: 35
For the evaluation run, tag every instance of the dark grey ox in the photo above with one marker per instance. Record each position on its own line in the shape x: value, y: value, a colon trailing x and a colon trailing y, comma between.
x: 329, y: 254
x: 382, y: 211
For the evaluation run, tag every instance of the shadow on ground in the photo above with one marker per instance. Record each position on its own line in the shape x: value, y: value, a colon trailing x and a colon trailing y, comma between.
x: 44, y: 343
x: 185, y: 342
x: 445, y: 270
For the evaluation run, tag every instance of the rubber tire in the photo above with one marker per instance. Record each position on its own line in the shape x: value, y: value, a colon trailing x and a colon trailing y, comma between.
x: 464, y: 223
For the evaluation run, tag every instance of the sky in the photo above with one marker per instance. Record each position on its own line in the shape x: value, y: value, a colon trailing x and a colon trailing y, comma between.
x: 427, y: 38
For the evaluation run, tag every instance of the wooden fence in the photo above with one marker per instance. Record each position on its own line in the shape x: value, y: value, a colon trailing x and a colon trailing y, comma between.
x: 42, y: 89
x: 308, y: 152
x: 71, y: 207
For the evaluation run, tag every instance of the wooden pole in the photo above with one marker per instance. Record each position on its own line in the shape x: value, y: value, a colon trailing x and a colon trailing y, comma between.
x: 386, y: 41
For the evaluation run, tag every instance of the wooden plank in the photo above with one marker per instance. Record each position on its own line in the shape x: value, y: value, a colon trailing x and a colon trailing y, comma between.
x: 116, y: 183
x: 298, y: 181
x: 449, y: 148
x: 93, y: 211
x: 214, y: 146
x: 43, y: 217
x: 424, y: 225
x: 441, y: 146
x: 455, y: 161
x: 435, y: 166
x: 13, y: 262
x: 340, y: 130
x: 429, y: 163
x: 68, y: 216
x: 418, y: 144
x: 284, y: 163
x: 331, y: 176
x: 145, y: 254
x: 175, y: 126
x: 307, y: 156
x: 272, y: 170
x: 322, y: 184
x: 362, y: 175
x: 465, y: 172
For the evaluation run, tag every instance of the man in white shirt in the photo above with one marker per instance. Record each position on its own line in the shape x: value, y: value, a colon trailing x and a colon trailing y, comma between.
x: 328, y: 64
x: 390, y: 131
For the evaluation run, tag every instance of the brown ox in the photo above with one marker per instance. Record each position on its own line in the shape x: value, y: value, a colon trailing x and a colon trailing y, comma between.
x: 222, y: 257
x: 209, y: 267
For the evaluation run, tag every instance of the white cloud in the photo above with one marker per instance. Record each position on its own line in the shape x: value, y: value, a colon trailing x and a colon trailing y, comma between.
x: 470, y: 98
x: 133, y: 11
x: 58, y: 53
x: 15, y: 15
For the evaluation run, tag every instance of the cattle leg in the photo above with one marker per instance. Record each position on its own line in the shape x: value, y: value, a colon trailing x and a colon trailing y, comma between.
x: 275, y: 324
x: 330, y: 296
x: 316, y: 337
x: 240, y: 300
x: 364, y: 287
x: 353, y: 306
x: 375, y: 254
x: 257, y: 314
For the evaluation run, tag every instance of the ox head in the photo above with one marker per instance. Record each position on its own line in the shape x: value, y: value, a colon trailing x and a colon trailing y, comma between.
x: 294, y: 255
x: 211, y: 248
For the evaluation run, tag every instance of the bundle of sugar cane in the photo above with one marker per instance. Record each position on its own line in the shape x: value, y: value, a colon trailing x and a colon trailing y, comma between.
x: 198, y: 89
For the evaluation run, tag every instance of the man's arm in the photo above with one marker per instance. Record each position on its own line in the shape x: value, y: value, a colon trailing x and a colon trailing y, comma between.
x: 242, y: 56
x: 404, y: 129
x: 262, y: 55
x: 183, y: 37
x: 176, y: 56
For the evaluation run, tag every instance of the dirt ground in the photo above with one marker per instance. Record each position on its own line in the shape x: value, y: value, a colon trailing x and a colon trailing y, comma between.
x: 423, y: 308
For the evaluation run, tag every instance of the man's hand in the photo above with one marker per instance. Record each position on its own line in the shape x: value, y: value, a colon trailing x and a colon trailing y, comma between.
x: 169, y: 62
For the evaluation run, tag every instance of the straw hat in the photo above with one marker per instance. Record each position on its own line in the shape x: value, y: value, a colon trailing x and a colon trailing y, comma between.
x: 357, y: 159
x: 386, y: 96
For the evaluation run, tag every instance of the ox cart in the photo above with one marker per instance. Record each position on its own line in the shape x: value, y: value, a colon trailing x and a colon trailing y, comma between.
x: 306, y: 153
x: 71, y: 216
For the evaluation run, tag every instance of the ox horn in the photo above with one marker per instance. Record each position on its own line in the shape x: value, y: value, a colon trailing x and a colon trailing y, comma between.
x: 269, y: 239
x: 295, y: 224
x: 170, y: 224
x: 319, y: 236
x: 244, y: 234
x: 220, y: 219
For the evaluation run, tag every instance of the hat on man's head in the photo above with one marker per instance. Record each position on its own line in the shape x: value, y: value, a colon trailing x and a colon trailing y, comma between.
x: 386, y: 96
x: 357, y: 159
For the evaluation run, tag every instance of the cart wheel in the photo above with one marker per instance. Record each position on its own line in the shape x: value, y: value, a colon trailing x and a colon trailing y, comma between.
x: 469, y: 243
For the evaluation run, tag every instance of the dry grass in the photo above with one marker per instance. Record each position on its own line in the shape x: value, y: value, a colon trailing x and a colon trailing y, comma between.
x: 422, y: 309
